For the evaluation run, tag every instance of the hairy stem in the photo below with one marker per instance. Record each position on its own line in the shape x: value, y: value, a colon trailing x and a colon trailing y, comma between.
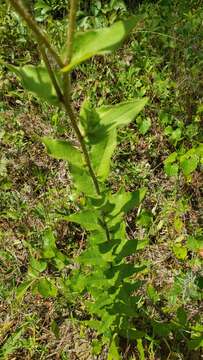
x: 71, y: 29
x: 67, y: 92
x: 68, y: 106
x: 41, y: 37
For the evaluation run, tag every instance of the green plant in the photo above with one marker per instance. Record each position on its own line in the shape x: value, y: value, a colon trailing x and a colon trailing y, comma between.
x: 103, y: 270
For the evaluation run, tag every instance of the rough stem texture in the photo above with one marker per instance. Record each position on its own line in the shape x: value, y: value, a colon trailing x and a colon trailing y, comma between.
x: 41, y: 37
x: 67, y: 92
x: 68, y: 106
x: 71, y: 29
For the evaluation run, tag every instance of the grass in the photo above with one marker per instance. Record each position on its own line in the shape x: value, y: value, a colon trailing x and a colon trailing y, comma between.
x: 163, y: 60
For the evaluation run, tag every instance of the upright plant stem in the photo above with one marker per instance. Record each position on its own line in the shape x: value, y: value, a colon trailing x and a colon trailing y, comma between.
x: 67, y: 92
x: 68, y: 106
x: 41, y: 37
x: 71, y: 29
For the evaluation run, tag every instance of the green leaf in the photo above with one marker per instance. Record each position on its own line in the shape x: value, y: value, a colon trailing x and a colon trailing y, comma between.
x: 36, y: 80
x: 12, y: 343
x: 22, y: 289
x: 47, y: 288
x: 152, y: 293
x: 82, y: 181
x: 196, y: 343
x: 87, y: 218
x: 180, y: 251
x: 92, y: 256
x: 145, y: 219
x: 99, y: 126
x: 128, y: 249
x: 171, y: 169
x: 49, y: 244
x: 99, y: 42
x: 124, y: 201
x: 38, y: 265
x: 194, y: 244
x: 120, y: 114
x: 101, y: 154
x: 142, y: 243
x: 96, y: 347
x: 181, y: 316
x: 171, y: 158
x: 124, y: 271
x: 144, y: 126
x: 189, y: 165
x: 63, y: 150
x: 162, y: 329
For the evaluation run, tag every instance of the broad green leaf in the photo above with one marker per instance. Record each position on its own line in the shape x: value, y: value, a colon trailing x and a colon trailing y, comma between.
x: 38, y: 265
x: 180, y: 251
x: 36, y: 80
x: 101, y: 154
x: 124, y: 201
x: 129, y: 248
x: 171, y: 169
x: 49, y: 244
x: 90, y: 125
x: 144, y: 126
x: 47, y: 288
x: 124, y: 271
x: 196, y: 343
x: 145, y: 218
x: 162, y: 329
x: 141, y: 244
x: 189, y: 165
x: 96, y: 346
x: 63, y: 150
x: 120, y: 114
x: 129, y: 332
x: 92, y: 256
x: 99, y: 126
x: 86, y: 218
x: 82, y: 181
x: 171, y: 158
x: 153, y: 294
x: 102, y: 143
x: 181, y: 316
x: 99, y: 42
x: 194, y: 244
x: 22, y: 289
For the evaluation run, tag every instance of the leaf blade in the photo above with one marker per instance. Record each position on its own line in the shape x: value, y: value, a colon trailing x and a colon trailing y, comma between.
x: 99, y: 42
x: 63, y: 150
